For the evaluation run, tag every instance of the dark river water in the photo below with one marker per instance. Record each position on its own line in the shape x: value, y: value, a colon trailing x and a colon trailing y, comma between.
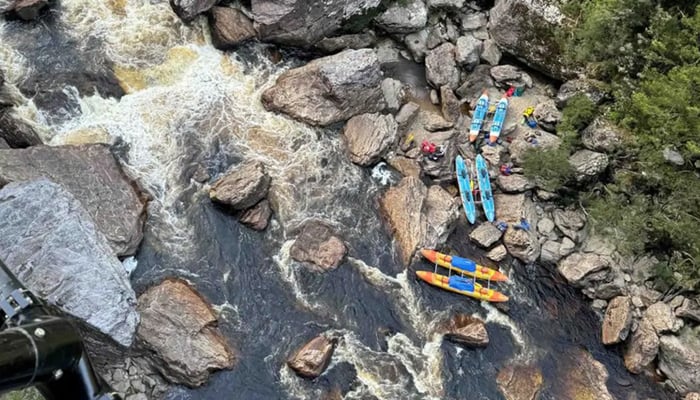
x: 131, y: 72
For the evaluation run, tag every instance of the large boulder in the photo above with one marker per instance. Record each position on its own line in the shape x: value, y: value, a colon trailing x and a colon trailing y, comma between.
x: 93, y: 176
x: 642, y: 347
x: 395, y: 94
x: 547, y: 115
x: 320, y: 245
x: 188, y: 10
x: 510, y: 75
x: 588, y: 165
x: 403, y: 17
x: 679, y: 359
x: 312, y: 359
x: 329, y: 89
x: 490, y: 53
x: 350, y: 41
x: 520, y: 382
x: 369, y: 136
x: 601, y: 136
x: 661, y: 317
x: 468, y: 51
x: 689, y: 309
x: 242, y: 186
x: 441, y: 66
x: 450, y: 105
x: 617, y: 320
x: 229, y: 27
x: 475, y: 83
x: 485, y: 235
x: 570, y: 223
x: 467, y: 330
x: 16, y: 130
x: 514, y: 183
x: 527, y: 29
x: 596, y: 91
x: 49, y: 241
x: 418, y: 216
x: 511, y: 208
x: 180, y: 327
x: 551, y: 252
x: 304, y: 22
x: 577, y: 266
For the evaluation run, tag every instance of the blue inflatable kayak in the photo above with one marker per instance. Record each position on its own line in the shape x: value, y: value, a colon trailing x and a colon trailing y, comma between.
x: 482, y: 106
x: 498, y: 119
x: 465, y: 189
x: 482, y: 175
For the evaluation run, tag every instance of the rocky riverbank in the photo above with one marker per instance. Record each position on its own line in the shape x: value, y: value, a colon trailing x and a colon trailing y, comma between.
x: 169, y: 334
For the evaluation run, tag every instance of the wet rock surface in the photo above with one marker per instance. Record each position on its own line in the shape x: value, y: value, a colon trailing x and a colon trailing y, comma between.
x: 188, y: 10
x: 93, y: 176
x: 229, y: 27
x: 312, y: 359
x: 180, y: 327
x: 242, y: 186
x: 520, y: 382
x: 320, y: 245
x: 258, y: 216
x: 49, y: 241
x: 466, y: 330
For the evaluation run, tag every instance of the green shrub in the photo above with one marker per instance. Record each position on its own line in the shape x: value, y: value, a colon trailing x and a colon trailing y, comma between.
x: 550, y: 168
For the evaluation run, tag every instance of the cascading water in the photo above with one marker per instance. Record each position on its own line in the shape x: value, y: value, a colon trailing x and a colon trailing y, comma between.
x: 188, y: 105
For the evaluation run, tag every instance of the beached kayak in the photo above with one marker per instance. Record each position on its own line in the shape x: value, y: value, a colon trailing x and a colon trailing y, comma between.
x: 463, y: 266
x: 498, y: 119
x: 482, y: 106
x: 482, y: 175
x: 463, y: 286
x: 465, y: 189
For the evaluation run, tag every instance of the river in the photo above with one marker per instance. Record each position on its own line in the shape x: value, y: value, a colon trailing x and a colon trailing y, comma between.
x: 184, y: 105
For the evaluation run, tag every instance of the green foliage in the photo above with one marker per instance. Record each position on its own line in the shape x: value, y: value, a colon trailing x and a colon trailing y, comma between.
x: 550, y: 168
x: 578, y: 113
x: 27, y: 394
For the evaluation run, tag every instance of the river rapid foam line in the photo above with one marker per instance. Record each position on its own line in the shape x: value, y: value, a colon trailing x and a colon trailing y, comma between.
x: 186, y: 105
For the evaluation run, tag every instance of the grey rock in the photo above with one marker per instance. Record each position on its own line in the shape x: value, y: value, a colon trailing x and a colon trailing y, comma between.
x: 473, y: 21
x: 229, y: 27
x: 679, y: 360
x: 599, y: 304
x: 407, y: 114
x: 440, y: 215
x: 588, y: 165
x: 242, y: 186
x: 545, y: 226
x: 547, y: 115
x: 437, y: 35
x: 258, y: 216
x: 510, y: 208
x: 417, y: 44
x: 593, y: 244
x: 569, y: 222
x: 441, y: 170
x: 138, y: 396
x: 510, y: 75
x: 498, y: 253
x: 406, y: 17
x: 451, y: 107
x: 485, y: 235
x: 690, y: 310
x: 617, y: 320
x: 179, y: 327
x: 188, y: 10
x: 353, y: 41
x: 476, y: 82
x: 320, y: 245
x: 567, y: 247
x: 434, y: 122
x: 514, y: 183
x: 519, y: 146
x: 27, y: 10
x: 93, y: 176
x: 545, y: 195
x: 18, y: 131
x: 49, y: 241
x: 369, y: 136
x: 313, y: 358
x: 550, y: 252
x: 468, y: 51
x: 394, y: 94
x: 435, y: 99
x: 642, y: 347
x: 520, y: 382
x: 493, y: 154
x: 3, y: 144
x: 446, y: 4
x: 467, y: 330
x: 608, y: 290
x: 441, y: 67
x: 577, y: 266
x: 676, y: 302
x: 596, y: 91
x: 511, y: 26
x: 601, y: 136
x: 673, y: 157
x: 491, y: 54
x: 304, y: 22
x: 329, y: 89
x: 649, y: 296
x: 388, y: 52
x: 692, y: 396
x: 661, y: 317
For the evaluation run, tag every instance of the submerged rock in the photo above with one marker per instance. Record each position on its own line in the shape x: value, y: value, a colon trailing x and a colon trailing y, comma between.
x: 93, y: 176
x: 441, y: 66
x: 407, y: 114
x: 369, y: 136
x: 312, y: 359
x: 467, y: 330
x: 320, y: 245
x: 617, y: 320
x: 405, y: 17
x: 585, y: 378
x: 304, y: 22
x: 188, y: 10
x: 229, y: 28
x: 180, y: 328
x: 242, y: 186
x: 51, y: 244
x: 258, y: 216
x: 642, y: 347
x: 679, y: 359
x: 352, y: 41
x: 520, y: 382
x: 329, y: 89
